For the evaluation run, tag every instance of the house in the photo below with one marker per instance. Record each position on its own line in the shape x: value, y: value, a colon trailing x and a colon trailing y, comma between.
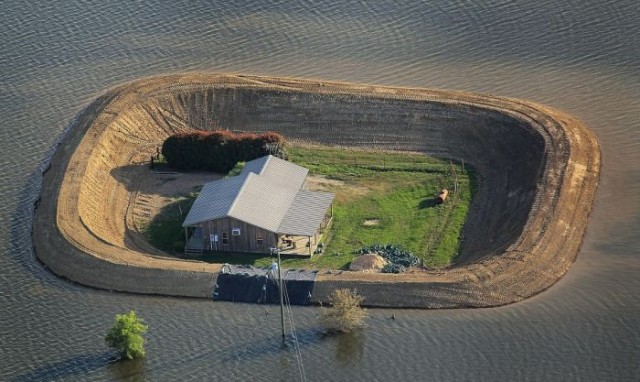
x: 267, y: 206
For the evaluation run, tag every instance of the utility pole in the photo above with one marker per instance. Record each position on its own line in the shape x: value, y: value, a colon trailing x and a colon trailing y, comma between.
x: 281, y: 298
x: 455, y: 178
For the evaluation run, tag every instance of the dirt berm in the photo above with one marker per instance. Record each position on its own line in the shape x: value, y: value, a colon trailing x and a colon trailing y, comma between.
x: 537, y: 168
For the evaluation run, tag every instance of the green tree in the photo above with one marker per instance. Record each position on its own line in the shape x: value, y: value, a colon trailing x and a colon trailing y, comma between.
x: 126, y: 335
x: 345, y: 313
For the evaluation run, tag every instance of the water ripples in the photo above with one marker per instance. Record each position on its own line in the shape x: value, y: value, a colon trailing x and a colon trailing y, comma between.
x: 580, y: 57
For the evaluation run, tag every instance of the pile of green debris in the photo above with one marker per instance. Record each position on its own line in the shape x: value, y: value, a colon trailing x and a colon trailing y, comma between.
x: 398, y: 260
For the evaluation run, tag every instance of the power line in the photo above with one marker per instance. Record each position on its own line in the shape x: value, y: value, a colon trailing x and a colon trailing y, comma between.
x: 294, y: 335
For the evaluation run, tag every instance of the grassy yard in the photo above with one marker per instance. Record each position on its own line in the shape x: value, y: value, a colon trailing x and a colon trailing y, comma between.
x: 165, y: 231
x: 381, y: 197
x: 388, y: 198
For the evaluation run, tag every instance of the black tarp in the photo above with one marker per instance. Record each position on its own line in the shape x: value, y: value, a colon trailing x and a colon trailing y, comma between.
x: 247, y: 284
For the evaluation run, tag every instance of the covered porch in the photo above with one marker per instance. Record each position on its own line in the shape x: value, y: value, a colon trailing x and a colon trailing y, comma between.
x: 305, y: 244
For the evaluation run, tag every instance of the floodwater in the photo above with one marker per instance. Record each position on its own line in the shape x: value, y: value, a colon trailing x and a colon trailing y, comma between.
x: 579, y: 56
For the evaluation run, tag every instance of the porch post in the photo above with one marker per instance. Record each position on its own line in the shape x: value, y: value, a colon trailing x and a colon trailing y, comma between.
x: 186, y: 238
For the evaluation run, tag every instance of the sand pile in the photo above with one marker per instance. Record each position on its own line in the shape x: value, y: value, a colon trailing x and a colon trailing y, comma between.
x: 369, y: 262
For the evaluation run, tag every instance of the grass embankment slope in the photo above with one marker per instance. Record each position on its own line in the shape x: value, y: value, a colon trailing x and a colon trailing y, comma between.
x: 381, y: 197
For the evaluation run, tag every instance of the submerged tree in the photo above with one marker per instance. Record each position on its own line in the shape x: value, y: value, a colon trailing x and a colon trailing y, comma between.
x: 345, y: 313
x: 126, y: 335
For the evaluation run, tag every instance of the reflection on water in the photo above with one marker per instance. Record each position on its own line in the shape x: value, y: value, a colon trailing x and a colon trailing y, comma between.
x: 127, y: 370
x: 582, y: 58
x: 350, y: 348
x: 71, y: 367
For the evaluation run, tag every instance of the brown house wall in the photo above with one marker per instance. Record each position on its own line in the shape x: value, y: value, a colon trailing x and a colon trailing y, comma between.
x: 245, y: 242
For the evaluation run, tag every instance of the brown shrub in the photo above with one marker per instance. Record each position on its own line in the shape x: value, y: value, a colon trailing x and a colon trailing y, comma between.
x: 345, y: 313
x: 219, y: 150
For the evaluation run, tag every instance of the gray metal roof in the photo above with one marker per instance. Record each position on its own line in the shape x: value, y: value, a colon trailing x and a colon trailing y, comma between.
x: 306, y: 213
x: 278, y: 170
x: 215, y: 200
x: 262, y: 203
x: 263, y: 200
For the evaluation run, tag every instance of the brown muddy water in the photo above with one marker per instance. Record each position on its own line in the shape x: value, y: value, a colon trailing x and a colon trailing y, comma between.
x: 582, y: 57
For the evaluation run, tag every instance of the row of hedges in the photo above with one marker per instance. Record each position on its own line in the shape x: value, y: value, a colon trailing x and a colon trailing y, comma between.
x: 219, y: 150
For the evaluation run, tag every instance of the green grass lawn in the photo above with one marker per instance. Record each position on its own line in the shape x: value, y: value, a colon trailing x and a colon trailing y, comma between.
x: 165, y: 231
x: 381, y: 197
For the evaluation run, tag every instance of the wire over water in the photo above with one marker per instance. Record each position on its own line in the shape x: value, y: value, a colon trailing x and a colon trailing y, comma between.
x: 294, y: 335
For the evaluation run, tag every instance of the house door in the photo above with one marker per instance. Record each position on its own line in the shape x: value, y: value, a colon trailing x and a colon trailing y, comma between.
x: 214, y: 239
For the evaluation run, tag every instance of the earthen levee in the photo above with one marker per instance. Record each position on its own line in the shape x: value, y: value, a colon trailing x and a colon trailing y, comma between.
x: 537, y: 170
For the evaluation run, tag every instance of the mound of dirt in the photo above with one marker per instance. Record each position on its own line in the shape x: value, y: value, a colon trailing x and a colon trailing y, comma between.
x: 369, y: 262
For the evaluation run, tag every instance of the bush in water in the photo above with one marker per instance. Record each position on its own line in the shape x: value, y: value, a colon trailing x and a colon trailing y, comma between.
x: 125, y: 336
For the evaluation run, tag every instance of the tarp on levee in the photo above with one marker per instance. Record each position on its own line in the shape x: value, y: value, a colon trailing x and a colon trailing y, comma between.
x: 260, y: 285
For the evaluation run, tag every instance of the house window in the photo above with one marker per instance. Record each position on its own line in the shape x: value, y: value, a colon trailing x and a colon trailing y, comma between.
x: 235, y: 232
x: 225, y: 238
x: 259, y: 239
